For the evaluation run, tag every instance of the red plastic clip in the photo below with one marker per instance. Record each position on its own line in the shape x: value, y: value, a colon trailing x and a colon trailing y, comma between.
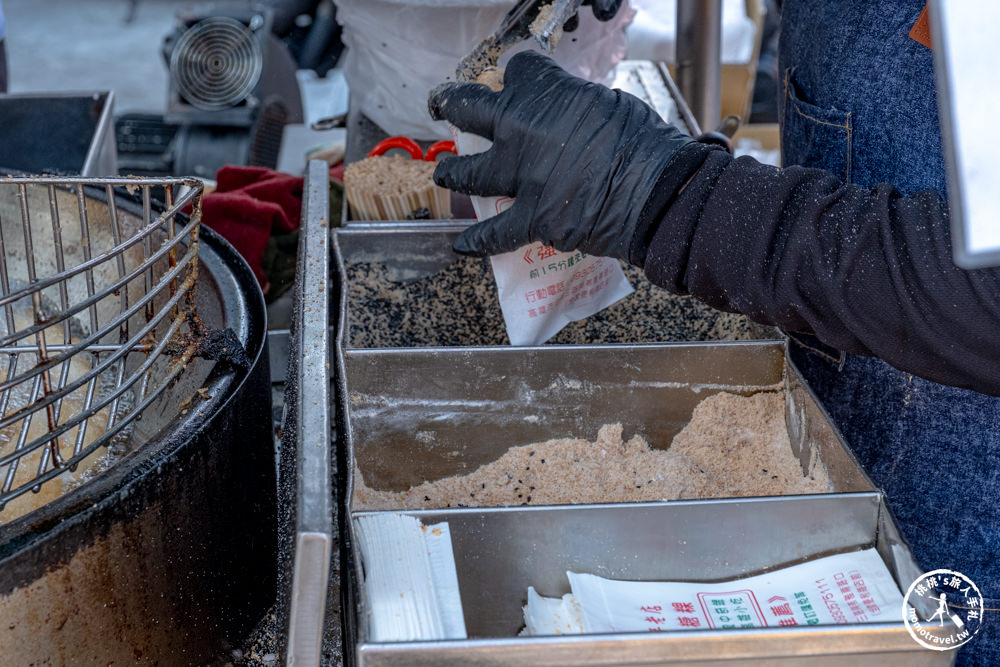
x: 407, y: 144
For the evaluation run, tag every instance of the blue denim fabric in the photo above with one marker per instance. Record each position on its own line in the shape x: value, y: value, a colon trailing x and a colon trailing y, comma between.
x: 859, y: 100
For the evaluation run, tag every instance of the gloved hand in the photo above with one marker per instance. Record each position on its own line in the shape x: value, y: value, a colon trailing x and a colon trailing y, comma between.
x: 590, y: 168
x: 604, y: 10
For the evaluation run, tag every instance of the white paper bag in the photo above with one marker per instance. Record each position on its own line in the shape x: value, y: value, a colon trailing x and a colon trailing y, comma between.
x: 542, y: 289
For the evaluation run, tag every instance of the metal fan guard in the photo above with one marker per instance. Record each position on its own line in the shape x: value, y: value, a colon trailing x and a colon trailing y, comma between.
x: 103, y: 295
x: 216, y: 63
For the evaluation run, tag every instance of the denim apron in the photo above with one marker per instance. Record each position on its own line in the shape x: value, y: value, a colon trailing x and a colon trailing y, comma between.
x: 859, y: 100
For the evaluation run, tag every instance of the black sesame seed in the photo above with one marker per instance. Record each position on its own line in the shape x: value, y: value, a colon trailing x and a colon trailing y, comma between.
x: 457, y: 306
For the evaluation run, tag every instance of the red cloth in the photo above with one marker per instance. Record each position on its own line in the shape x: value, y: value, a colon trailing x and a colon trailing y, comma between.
x: 250, y: 204
x: 337, y: 172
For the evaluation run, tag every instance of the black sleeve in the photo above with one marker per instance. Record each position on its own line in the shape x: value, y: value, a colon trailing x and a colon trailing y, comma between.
x: 864, y: 269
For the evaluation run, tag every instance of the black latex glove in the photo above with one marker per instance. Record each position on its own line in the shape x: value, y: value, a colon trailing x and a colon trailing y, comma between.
x: 604, y: 10
x: 591, y: 168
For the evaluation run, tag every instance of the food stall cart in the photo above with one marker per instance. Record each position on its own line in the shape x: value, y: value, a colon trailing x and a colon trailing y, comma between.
x: 364, y: 398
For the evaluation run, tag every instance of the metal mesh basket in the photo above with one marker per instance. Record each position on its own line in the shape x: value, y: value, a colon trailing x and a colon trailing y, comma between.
x: 97, y: 288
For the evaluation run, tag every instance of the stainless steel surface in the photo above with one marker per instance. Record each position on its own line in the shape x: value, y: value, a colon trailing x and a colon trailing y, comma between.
x: 637, y: 541
x: 651, y: 83
x: 698, y: 60
x: 58, y: 133
x: 102, y: 158
x: 965, y: 63
x: 689, y: 541
x: 88, y: 281
x: 838, y: 646
x: 812, y: 433
x: 314, y: 512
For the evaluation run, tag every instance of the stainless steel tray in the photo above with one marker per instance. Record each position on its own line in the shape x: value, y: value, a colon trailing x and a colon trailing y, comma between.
x: 500, y: 552
x: 464, y: 396
x: 394, y: 254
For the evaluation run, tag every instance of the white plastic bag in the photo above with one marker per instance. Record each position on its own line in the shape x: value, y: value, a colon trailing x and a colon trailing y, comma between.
x: 542, y: 289
x: 854, y: 587
x: 398, y: 50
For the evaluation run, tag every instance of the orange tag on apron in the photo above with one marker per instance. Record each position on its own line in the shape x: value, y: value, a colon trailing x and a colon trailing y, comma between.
x: 921, y: 30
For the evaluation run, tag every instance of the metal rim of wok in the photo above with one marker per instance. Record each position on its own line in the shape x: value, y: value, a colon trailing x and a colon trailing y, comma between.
x: 220, y: 268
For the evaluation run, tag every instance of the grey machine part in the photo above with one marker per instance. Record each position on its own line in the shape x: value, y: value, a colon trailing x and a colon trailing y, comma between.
x: 698, y: 60
x: 384, y: 397
x: 232, y: 88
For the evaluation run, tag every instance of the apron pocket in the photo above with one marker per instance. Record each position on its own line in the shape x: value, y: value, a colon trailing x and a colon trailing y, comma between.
x: 812, y: 136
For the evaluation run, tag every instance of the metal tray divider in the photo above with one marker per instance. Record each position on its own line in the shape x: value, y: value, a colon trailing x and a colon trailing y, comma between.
x: 308, y: 441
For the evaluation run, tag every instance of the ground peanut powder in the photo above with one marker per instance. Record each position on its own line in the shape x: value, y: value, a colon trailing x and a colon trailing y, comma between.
x: 734, y: 446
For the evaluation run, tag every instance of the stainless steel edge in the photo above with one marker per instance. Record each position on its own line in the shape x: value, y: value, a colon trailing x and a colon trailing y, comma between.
x: 399, y: 378
x: 805, y: 416
x: 651, y: 541
x: 696, y: 540
x: 314, y: 526
x: 682, y: 107
x: 310, y: 583
x: 350, y: 567
x: 771, y: 647
x: 102, y: 158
